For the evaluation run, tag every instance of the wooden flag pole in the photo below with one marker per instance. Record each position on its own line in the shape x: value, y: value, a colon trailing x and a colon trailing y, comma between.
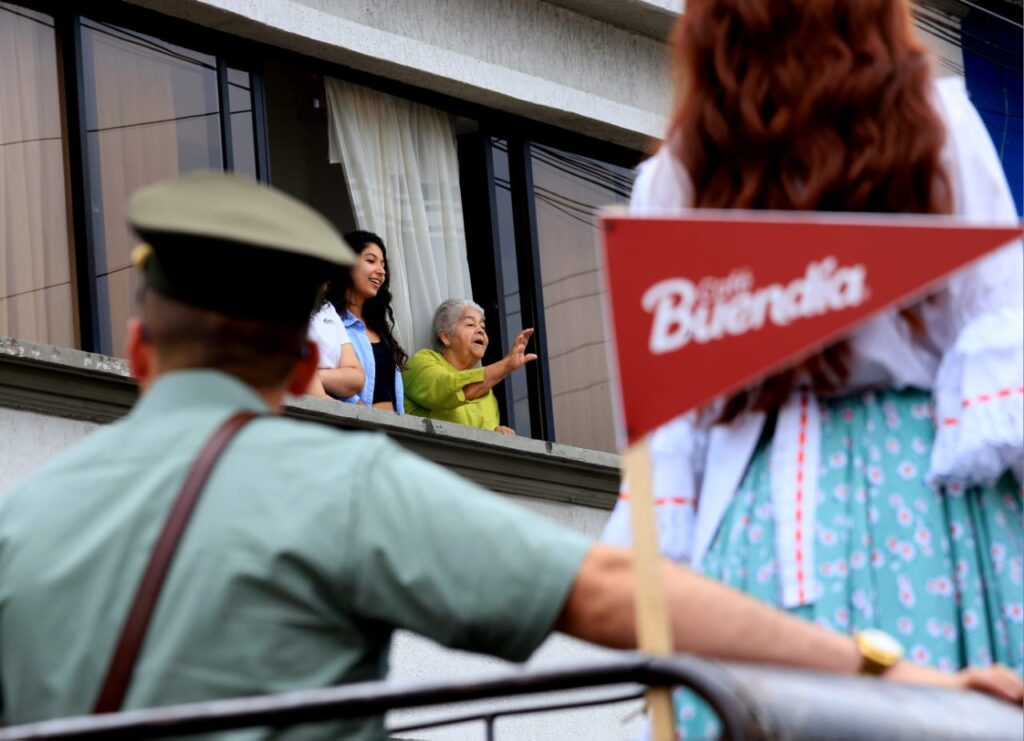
x: 654, y: 633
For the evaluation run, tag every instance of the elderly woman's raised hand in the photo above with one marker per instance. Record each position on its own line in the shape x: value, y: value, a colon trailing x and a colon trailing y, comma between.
x: 517, y: 356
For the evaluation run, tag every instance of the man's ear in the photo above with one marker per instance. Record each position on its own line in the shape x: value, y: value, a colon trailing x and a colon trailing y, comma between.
x: 140, y: 352
x: 304, y: 370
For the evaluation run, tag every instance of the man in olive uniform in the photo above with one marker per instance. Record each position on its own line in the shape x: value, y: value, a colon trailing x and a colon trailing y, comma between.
x: 308, y: 545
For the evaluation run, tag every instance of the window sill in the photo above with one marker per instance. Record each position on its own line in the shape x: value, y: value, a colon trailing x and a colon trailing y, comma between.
x: 70, y: 383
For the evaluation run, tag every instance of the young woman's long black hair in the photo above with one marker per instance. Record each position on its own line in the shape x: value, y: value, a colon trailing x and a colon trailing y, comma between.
x: 377, y: 312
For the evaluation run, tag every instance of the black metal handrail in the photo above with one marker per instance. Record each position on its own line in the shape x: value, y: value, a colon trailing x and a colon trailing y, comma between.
x: 373, y: 698
x: 490, y: 715
x: 751, y: 702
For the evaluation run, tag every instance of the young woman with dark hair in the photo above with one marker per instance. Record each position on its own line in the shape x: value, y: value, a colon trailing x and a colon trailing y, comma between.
x: 901, y: 524
x: 362, y: 299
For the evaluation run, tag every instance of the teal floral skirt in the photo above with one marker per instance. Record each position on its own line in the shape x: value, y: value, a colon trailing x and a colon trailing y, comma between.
x: 940, y: 570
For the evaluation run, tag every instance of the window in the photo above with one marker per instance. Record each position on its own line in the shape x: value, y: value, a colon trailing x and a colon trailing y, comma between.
x: 36, y: 290
x: 569, y: 190
x: 534, y: 262
x: 152, y: 111
x: 91, y: 110
x: 243, y: 130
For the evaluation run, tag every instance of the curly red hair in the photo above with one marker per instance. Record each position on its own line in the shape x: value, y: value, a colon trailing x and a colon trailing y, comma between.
x: 806, y: 105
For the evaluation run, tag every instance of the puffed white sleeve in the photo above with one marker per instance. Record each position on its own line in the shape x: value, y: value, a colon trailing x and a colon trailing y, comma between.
x: 678, y: 447
x: 662, y: 184
x: 979, y: 387
x: 678, y: 451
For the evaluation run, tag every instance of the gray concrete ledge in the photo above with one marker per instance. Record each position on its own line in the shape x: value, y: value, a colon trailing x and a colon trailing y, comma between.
x: 73, y: 384
x: 651, y: 18
x: 596, y: 73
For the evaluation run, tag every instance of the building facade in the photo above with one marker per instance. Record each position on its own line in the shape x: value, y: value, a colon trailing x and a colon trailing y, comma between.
x: 480, y: 138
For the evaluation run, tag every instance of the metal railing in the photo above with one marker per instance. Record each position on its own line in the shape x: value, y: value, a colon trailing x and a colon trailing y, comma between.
x: 751, y: 703
x: 490, y: 716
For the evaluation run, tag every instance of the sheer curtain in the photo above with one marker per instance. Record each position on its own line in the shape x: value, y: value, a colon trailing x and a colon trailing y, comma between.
x: 401, y: 167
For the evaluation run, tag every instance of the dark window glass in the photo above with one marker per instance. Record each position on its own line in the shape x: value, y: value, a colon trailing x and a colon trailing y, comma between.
x: 569, y: 190
x: 509, y: 292
x: 36, y: 293
x: 152, y: 111
x: 243, y: 146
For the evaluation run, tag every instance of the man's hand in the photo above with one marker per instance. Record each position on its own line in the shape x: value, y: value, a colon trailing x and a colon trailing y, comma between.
x: 711, y: 619
x: 997, y: 680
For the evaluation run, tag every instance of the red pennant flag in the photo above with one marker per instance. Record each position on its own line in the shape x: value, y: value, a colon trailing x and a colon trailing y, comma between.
x: 705, y: 305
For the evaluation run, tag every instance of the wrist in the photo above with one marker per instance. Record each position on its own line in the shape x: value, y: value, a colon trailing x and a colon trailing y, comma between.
x: 907, y: 672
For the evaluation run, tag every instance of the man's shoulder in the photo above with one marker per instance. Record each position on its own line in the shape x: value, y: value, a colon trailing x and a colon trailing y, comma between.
x: 315, y: 444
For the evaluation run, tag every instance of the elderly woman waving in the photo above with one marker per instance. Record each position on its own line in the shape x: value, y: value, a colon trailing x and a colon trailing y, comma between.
x: 447, y: 382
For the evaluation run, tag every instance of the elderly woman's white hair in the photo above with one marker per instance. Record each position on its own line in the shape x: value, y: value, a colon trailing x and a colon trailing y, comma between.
x: 446, y: 315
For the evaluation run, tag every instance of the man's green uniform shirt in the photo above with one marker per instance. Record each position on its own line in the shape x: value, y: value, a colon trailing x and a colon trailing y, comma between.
x: 308, y: 546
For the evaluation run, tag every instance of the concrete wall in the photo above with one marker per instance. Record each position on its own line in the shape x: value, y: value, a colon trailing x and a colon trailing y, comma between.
x: 28, y: 440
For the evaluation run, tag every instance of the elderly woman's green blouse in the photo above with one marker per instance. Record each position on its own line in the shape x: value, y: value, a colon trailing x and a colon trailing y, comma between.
x: 433, y: 388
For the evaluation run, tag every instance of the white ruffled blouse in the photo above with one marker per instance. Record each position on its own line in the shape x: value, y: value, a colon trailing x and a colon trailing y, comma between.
x: 971, y: 358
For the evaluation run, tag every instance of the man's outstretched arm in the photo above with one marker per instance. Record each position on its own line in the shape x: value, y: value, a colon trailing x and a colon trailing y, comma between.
x: 711, y: 619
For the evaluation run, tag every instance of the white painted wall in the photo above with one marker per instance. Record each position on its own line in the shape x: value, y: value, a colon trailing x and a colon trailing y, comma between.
x: 28, y: 440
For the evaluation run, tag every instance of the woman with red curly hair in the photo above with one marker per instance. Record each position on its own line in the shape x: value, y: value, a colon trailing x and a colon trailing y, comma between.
x: 902, y: 527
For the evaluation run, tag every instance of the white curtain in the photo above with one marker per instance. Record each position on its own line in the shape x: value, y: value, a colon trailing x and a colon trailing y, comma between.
x: 402, y: 171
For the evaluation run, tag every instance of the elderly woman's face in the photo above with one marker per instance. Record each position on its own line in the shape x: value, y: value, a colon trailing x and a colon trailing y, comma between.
x: 469, y: 336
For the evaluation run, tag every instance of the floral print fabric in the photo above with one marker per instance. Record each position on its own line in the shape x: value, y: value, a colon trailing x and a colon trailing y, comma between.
x: 940, y: 570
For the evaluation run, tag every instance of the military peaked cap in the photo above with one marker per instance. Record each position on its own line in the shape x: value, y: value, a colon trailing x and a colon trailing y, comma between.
x: 229, y: 244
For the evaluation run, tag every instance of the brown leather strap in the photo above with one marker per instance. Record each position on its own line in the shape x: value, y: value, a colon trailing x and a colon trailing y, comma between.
x: 119, y: 674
